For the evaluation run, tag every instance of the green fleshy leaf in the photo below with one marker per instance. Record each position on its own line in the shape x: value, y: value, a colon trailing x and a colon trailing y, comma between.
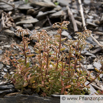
x: 28, y: 64
x: 62, y: 49
x: 30, y: 55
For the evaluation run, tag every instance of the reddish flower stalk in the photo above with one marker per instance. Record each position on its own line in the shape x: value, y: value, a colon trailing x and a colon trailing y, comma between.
x: 59, y: 48
x: 24, y: 50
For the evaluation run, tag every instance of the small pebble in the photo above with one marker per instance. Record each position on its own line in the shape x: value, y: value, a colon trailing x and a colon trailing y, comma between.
x: 1, y: 65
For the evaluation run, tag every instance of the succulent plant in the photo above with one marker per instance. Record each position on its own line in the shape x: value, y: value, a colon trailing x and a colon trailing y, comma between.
x: 50, y: 70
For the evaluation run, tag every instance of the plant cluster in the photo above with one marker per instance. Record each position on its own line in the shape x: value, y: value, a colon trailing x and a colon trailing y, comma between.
x: 51, y: 69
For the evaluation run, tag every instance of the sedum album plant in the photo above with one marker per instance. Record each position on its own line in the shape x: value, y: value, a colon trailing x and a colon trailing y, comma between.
x: 51, y: 69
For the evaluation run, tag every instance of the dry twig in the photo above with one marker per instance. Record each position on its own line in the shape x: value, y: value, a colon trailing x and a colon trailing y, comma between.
x: 72, y: 18
x: 84, y: 24
x: 6, y: 21
x: 82, y: 15
x: 7, y: 3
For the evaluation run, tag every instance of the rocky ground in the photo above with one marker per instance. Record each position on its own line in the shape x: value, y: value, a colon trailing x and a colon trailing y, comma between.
x: 41, y: 14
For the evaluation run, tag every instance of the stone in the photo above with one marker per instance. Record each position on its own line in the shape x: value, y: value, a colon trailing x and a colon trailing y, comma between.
x: 99, y: 33
x: 41, y: 23
x: 3, y: 73
x: 92, y: 24
x: 97, y: 65
x: 3, y: 92
x: 3, y: 82
x: 55, y: 95
x: 101, y: 42
x: 33, y: 12
x: 7, y: 46
x: 79, y: 23
x: 64, y: 2
x: 47, y: 28
x: 42, y: 15
x: 28, y: 20
x: 90, y: 17
x: 74, y: 11
x: 8, y: 32
x: 7, y: 66
x: 96, y: 50
x: 46, y: 3
x: 31, y: 49
x: 89, y: 67
x: 25, y: 6
x: 66, y: 34
x: 84, y: 51
x: 52, y: 32
x: 12, y: 94
x: 1, y: 11
x: 29, y: 26
x: 96, y: 36
x: 90, y: 40
x: 5, y: 70
x: 58, y: 14
x: 1, y: 78
x: 101, y: 19
x: 3, y: 38
x: 18, y: 3
x: 101, y: 75
x: 58, y: 8
x: 18, y: 17
x: 1, y: 66
x: 89, y: 54
x: 1, y: 51
x: 89, y: 20
x: 21, y: 98
x: 87, y: 9
x: 100, y: 28
x: 100, y: 38
x: 5, y: 7
x: 3, y: 87
x: 97, y: 22
x: 11, y: 72
x: 92, y: 90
